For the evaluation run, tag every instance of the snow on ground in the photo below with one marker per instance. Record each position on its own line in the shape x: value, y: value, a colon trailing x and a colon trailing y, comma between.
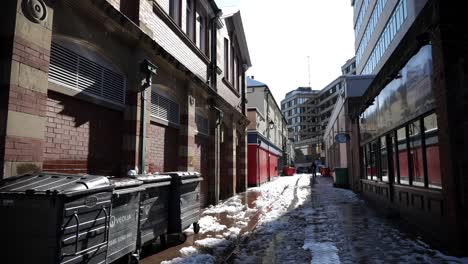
x: 210, y: 223
x: 275, y: 197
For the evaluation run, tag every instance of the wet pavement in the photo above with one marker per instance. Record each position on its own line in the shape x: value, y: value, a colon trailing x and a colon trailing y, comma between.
x: 336, y: 226
x: 157, y: 253
x: 301, y: 222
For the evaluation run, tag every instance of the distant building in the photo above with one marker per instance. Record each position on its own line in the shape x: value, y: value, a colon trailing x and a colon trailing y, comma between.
x: 338, y: 155
x: 267, y: 134
x: 296, y: 113
x: 349, y: 68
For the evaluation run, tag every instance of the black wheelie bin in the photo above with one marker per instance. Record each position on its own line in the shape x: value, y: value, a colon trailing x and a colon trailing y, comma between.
x: 124, y: 216
x: 54, y: 218
x: 184, y: 202
x: 153, y: 208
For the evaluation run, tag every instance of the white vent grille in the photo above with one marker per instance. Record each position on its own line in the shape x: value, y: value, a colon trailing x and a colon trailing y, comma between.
x: 77, y: 72
x: 164, y: 108
x: 202, y: 124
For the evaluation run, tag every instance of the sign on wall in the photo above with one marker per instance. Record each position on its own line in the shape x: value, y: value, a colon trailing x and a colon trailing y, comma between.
x: 342, y: 137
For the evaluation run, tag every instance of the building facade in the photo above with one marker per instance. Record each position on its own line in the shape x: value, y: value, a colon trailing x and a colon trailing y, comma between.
x: 267, y: 134
x: 339, y: 154
x: 295, y: 111
x: 104, y: 87
x: 349, y: 68
x: 411, y: 118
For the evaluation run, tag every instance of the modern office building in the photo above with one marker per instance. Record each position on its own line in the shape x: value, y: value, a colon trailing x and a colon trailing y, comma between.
x: 412, y: 118
x: 379, y: 25
x: 296, y: 112
x: 349, y: 68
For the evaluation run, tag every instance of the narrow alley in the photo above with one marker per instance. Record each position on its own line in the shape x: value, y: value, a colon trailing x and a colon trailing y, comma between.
x: 291, y: 220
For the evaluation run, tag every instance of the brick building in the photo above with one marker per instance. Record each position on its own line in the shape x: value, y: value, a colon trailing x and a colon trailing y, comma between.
x: 102, y: 87
x: 412, y: 118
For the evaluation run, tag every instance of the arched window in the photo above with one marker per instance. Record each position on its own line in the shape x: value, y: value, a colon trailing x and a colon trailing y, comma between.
x: 78, y: 66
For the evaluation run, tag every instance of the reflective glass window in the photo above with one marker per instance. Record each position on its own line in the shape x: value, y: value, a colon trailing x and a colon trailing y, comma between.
x: 402, y: 156
x: 383, y: 159
x: 416, y: 154
x: 432, y: 151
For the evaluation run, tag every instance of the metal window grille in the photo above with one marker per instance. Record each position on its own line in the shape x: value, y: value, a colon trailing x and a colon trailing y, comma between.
x: 72, y: 70
x: 164, y: 108
x: 202, y: 124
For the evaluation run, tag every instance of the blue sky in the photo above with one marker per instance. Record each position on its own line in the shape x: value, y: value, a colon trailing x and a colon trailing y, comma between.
x: 282, y: 34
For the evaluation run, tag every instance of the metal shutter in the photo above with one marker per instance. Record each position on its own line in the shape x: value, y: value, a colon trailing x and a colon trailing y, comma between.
x: 164, y: 108
x: 69, y: 69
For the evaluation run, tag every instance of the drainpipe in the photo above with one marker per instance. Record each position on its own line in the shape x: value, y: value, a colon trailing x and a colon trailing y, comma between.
x: 147, y: 69
x: 219, y: 121
x: 142, y: 131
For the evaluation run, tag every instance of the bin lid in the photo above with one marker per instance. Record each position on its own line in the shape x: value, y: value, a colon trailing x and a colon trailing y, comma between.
x: 54, y: 184
x: 145, y: 178
x: 124, y: 182
x: 183, y: 175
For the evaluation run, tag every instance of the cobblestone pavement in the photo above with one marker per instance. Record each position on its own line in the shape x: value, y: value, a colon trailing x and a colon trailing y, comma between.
x: 335, y: 226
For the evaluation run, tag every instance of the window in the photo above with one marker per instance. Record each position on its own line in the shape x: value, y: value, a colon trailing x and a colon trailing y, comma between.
x: 175, y: 11
x: 202, y: 124
x: 393, y: 146
x: 432, y: 151
x: 368, y: 162
x: 226, y: 58
x: 373, y: 160
x: 383, y: 159
x: 190, y: 19
x: 416, y: 153
x: 402, y: 156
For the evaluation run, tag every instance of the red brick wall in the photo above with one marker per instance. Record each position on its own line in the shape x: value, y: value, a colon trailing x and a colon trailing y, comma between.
x: 162, y: 148
x: 81, y: 137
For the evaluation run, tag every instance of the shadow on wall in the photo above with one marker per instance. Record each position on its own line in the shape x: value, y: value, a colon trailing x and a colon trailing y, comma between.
x: 201, y: 165
x: 82, y: 137
x: 162, y: 148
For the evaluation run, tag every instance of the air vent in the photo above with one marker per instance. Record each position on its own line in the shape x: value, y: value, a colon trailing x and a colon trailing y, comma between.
x: 72, y: 70
x: 164, y: 108
x: 202, y: 124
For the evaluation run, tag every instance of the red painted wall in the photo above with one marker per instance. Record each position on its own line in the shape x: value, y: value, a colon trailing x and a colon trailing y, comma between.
x: 252, y: 165
x: 268, y: 165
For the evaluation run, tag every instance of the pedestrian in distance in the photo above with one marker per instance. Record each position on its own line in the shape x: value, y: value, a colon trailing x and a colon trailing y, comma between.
x: 313, y: 170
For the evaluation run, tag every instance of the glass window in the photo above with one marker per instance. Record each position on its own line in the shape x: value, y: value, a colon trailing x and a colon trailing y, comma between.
x: 393, y: 147
x: 364, y: 162
x: 416, y: 155
x: 432, y: 151
x: 373, y: 160
x: 383, y: 159
x: 402, y: 156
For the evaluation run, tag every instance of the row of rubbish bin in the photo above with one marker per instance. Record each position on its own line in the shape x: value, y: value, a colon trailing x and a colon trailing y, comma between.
x: 62, y: 218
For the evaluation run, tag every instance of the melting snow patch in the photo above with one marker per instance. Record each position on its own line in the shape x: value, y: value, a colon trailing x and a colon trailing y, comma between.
x: 209, y: 223
x: 231, y: 206
x: 187, y: 251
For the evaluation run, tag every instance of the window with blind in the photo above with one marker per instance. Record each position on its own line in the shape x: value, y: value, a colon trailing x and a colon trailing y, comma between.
x: 164, y: 108
x: 70, y: 69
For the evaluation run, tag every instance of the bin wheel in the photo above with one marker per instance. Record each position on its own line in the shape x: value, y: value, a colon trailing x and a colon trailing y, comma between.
x: 134, y: 258
x: 196, y: 228
x: 163, y: 240
x: 182, y: 237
